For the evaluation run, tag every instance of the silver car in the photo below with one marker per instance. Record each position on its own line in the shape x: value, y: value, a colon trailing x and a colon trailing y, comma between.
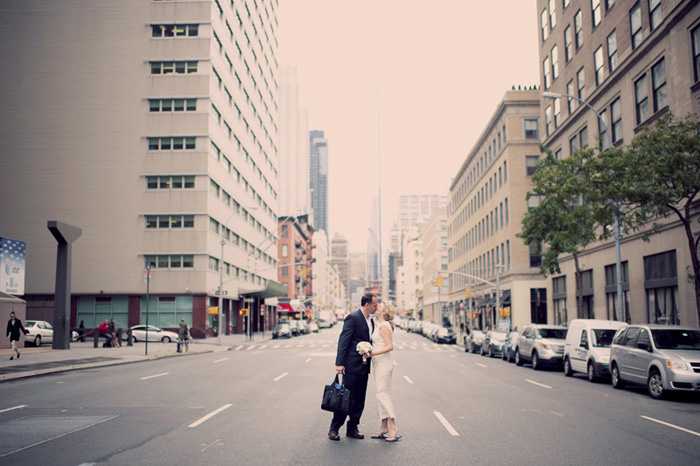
x: 662, y: 357
x: 542, y: 345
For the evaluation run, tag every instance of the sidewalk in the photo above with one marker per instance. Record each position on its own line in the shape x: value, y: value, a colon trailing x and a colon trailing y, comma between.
x: 45, y: 360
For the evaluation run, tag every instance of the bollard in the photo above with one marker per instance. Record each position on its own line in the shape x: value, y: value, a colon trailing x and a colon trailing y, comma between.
x: 129, y: 339
x: 96, y: 335
x: 178, y: 346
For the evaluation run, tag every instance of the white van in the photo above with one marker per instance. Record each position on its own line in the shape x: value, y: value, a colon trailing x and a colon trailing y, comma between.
x: 587, y: 347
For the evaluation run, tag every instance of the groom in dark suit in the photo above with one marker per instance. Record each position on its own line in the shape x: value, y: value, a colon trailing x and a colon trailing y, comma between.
x: 358, y: 327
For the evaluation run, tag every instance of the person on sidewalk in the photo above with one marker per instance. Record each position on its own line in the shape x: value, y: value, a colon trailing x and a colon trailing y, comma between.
x: 103, y: 332
x: 14, y: 326
x: 113, y: 334
x: 81, y: 331
x: 184, y: 335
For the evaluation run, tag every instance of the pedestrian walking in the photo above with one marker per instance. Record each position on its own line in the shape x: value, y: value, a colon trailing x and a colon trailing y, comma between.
x: 184, y: 335
x: 112, y: 329
x: 81, y: 331
x: 14, y: 326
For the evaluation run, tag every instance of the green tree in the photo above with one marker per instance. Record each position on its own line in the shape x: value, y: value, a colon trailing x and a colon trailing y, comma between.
x: 566, y: 220
x: 656, y: 177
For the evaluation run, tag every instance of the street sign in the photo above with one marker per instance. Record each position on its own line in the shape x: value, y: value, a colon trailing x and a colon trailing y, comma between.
x: 214, y: 310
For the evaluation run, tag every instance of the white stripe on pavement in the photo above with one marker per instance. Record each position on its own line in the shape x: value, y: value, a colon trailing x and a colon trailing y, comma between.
x: 481, y: 365
x: 536, y: 383
x: 279, y: 377
x: 210, y: 415
x: 408, y: 380
x: 276, y: 346
x: 263, y: 347
x: 154, y: 376
x: 447, y: 425
x: 671, y: 425
x: 14, y: 407
x: 250, y: 347
x: 308, y: 359
x: 220, y: 360
x: 238, y: 348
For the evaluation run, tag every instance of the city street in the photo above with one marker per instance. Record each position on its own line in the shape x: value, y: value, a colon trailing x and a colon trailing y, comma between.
x: 259, y: 403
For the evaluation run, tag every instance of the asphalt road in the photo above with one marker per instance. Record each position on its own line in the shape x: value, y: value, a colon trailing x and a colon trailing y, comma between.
x: 260, y: 404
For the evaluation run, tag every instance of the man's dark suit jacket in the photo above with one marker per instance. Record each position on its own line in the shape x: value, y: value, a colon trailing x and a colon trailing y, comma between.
x: 354, y: 331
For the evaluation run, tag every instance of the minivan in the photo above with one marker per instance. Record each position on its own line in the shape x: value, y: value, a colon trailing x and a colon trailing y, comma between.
x: 587, y: 347
x: 662, y: 357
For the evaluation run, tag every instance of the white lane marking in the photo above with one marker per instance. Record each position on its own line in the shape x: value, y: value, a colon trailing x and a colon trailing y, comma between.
x: 220, y: 360
x: 287, y: 346
x: 671, y: 425
x: 276, y: 346
x: 408, y: 380
x: 154, y: 376
x: 14, y: 407
x: 312, y: 346
x: 238, y: 348
x: 263, y: 347
x: 536, y: 383
x: 251, y: 347
x: 210, y: 415
x: 453, y: 355
x: 307, y: 359
x: 447, y: 425
x: 481, y: 365
x: 395, y: 363
x: 280, y: 376
x: 300, y: 346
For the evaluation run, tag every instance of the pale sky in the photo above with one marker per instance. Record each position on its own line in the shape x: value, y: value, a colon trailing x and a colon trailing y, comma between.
x: 440, y: 68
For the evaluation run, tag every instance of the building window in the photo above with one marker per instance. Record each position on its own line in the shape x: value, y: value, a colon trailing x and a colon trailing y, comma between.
x: 170, y: 67
x: 170, y: 182
x: 531, y: 164
x: 661, y: 284
x: 545, y: 25
x: 568, y: 45
x: 548, y: 119
x: 547, y: 73
x: 506, y: 207
x: 531, y: 130
x: 598, y: 63
x: 505, y: 171
x: 612, y: 51
x: 658, y: 82
x: 578, y: 29
x: 172, y: 261
x: 641, y: 99
x: 174, y: 30
x: 583, y: 136
x: 587, y: 293
x: 611, y: 291
x: 559, y: 300
x: 636, y: 25
x: 609, y: 4
x: 616, y: 117
x: 655, y: 13
x: 571, y: 104
x: 172, y: 105
x: 696, y: 52
x: 535, y: 254
x: 167, y: 311
x: 595, y: 8
x: 169, y: 221
x: 555, y: 62
x: 581, y: 80
x: 174, y: 143
x: 552, y: 13
x: 285, y: 250
x: 557, y: 112
x: 533, y: 201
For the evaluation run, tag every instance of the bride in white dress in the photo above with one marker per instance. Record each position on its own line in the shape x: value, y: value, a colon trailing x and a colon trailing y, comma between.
x: 382, y: 369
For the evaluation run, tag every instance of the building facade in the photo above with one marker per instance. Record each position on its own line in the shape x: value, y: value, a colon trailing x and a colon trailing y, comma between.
x: 340, y: 258
x: 435, y: 282
x: 486, y: 206
x: 160, y: 146
x: 318, y: 178
x: 295, y: 252
x: 632, y: 61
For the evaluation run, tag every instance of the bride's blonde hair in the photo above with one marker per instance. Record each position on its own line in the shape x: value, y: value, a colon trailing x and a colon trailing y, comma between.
x: 390, y: 313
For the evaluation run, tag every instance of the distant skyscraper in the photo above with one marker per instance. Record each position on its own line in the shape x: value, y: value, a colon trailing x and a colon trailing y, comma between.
x: 294, y: 193
x: 413, y: 210
x: 318, y: 178
x: 341, y: 258
x: 373, y: 243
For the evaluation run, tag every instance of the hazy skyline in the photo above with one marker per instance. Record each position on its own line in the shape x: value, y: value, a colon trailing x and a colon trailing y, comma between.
x: 434, y: 73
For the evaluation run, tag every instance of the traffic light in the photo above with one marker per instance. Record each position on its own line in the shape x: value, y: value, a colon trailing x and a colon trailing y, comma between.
x: 243, y: 312
x: 438, y: 281
x: 468, y: 293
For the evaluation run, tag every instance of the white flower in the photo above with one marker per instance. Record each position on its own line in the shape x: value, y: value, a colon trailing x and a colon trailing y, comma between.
x: 364, y: 348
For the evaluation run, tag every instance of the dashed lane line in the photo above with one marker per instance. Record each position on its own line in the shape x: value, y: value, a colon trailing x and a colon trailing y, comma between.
x: 251, y: 347
x: 154, y: 376
x: 280, y: 376
x: 447, y: 425
x: 537, y: 383
x: 481, y: 365
x: 220, y: 360
x: 238, y: 348
x: 671, y: 425
x: 408, y: 380
x: 307, y: 359
x: 14, y: 407
x: 210, y: 415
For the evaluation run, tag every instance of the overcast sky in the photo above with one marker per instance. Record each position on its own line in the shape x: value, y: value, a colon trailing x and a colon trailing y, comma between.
x: 433, y: 71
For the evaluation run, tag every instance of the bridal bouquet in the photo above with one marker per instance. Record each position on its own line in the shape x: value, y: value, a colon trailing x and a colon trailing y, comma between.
x: 365, y: 349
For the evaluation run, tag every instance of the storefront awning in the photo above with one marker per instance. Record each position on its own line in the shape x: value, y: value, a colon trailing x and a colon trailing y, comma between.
x: 272, y: 290
x: 484, y: 302
x: 505, y: 298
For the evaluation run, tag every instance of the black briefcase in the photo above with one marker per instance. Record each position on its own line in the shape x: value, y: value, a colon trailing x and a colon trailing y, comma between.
x: 336, y: 398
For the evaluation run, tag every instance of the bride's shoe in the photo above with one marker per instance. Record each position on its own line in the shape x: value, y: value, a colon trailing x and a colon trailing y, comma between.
x: 379, y: 435
x: 393, y: 438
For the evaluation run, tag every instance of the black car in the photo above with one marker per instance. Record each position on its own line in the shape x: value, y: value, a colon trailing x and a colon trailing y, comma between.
x: 282, y: 330
x: 445, y: 335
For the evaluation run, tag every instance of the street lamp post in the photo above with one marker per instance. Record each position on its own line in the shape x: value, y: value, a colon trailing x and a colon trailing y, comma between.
x: 618, y: 256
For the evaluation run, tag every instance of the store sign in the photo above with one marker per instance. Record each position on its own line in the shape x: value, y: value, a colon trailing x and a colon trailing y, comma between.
x: 12, y: 266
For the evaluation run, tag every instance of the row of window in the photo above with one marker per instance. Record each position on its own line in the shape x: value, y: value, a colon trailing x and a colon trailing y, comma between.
x: 231, y: 270
x: 487, y: 265
x: 169, y: 221
x: 172, y: 105
x: 228, y: 235
x: 484, y: 229
x: 176, y: 67
x: 174, y: 30
x: 170, y: 182
x: 172, y: 143
x: 170, y: 261
x: 482, y: 195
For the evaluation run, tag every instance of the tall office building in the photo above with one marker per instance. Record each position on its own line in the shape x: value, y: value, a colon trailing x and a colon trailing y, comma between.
x: 294, y: 192
x: 632, y: 61
x: 413, y: 210
x: 372, y: 248
x: 340, y: 258
x: 155, y: 132
x: 318, y: 178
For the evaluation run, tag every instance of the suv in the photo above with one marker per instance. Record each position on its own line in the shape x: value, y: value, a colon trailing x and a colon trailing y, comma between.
x: 662, y: 357
x: 541, y: 345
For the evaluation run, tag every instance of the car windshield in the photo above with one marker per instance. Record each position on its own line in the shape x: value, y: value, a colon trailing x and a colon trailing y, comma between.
x: 478, y: 334
x: 444, y: 331
x: 498, y: 336
x: 603, y: 338
x: 553, y: 333
x: 30, y: 323
x: 677, y: 339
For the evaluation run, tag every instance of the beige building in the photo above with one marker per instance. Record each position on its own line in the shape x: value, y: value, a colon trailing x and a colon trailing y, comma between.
x: 409, y: 283
x: 632, y: 61
x: 486, y: 203
x: 434, y: 253
x: 155, y: 132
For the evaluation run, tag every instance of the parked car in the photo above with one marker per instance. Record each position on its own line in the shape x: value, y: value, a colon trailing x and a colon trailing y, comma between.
x: 473, y: 341
x: 665, y: 358
x: 282, y: 330
x: 429, y: 330
x: 40, y: 332
x: 587, y: 347
x: 303, y: 327
x: 493, y: 343
x: 542, y: 345
x: 138, y: 333
x: 445, y: 335
x: 313, y: 327
x: 510, y: 345
x: 294, y: 327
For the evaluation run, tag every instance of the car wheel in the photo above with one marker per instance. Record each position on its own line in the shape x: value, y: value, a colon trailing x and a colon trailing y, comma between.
x: 490, y: 352
x: 133, y: 339
x: 518, y: 359
x: 37, y: 340
x: 592, y: 376
x: 568, y: 371
x: 165, y: 340
x: 655, y: 385
x: 504, y: 355
x: 466, y: 347
x: 615, y: 377
x: 536, y: 365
